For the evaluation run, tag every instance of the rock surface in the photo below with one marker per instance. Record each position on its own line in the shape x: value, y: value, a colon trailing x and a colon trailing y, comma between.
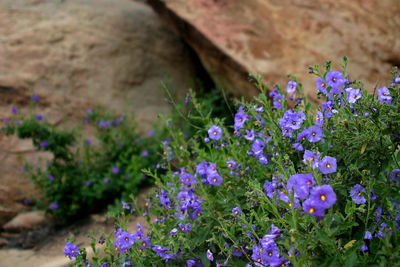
x: 277, y: 37
x: 25, y: 221
x: 77, y: 54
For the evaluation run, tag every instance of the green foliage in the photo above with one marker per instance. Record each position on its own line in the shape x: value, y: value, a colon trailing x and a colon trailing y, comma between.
x: 354, y: 138
x: 84, y: 175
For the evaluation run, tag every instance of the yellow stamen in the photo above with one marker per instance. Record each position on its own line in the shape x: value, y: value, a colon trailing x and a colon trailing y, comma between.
x: 312, y: 210
x: 323, y: 197
x: 328, y: 165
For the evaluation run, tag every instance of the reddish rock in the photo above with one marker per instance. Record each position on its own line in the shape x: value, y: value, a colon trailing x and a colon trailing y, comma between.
x: 277, y: 37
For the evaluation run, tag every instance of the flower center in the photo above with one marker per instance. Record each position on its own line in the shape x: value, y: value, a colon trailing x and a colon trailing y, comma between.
x: 323, y: 197
x: 333, y: 79
x: 279, y: 100
x: 215, y: 133
x: 328, y: 165
x: 229, y: 165
x: 236, y: 212
x: 311, y: 158
x: 385, y: 94
x: 270, y: 254
x: 314, y: 133
x: 309, y: 182
x: 183, y: 229
x: 187, y: 179
x: 311, y: 210
x: 215, y: 180
x: 126, y: 239
x: 322, y: 84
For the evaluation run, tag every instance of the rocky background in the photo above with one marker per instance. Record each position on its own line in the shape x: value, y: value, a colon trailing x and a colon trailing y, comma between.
x: 77, y: 54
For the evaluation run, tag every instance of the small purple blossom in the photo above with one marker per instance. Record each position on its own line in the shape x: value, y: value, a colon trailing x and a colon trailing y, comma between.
x: 384, y: 95
x: 368, y: 235
x: 215, y: 132
x: 323, y: 195
x: 335, y: 79
x: 327, y: 165
x: 236, y: 211
x: 35, y: 98
x: 291, y: 87
x: 70, y: 250
x: 314, y: 208
x: 356, y: 194
x: 39, y: 117
x: 53, y: 206
x: 315, y: 134
x: 353, y: 95
x: 209, y: 255
x: 185, y: 227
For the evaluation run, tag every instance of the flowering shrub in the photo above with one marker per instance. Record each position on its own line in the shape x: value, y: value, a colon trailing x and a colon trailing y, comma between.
x: 289, y: 184
x: 80, y: 180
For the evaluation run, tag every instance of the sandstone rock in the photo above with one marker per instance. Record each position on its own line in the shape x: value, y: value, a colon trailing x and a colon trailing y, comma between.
x: 277, y: 37
x: 77, y: 54
x: 25, y: 221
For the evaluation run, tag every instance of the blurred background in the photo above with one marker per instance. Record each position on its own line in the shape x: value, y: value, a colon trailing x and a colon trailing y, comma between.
x: 77, y: 54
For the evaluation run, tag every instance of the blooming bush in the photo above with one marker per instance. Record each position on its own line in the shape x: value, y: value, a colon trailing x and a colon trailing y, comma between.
x: 83, y: 179
x: 289, y: 184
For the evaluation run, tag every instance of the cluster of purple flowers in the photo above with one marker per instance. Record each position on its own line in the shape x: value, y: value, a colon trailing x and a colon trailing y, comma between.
x: 326, y: 165
x: 70, y: 250
x: 240, y: 119
x: 189, y: 204
x: 125, y: 240
x: 209, y: 173
x: 266, y: 253
x: 277, y: 99
x: 291, y: 121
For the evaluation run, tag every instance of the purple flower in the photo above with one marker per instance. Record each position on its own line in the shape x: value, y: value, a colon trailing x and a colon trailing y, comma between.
x: 301, y: 184
x: 173, y: 231
x: 327, y: 165
x: 302, y: 136
x: 35, y: 98
x: 379, y: 234
x: 231, y: 164
x: 165, y: 253
x: 298, y: 146
x: 249, y: 135
x: 50, y: 177
x: 335, y: 79
x: 215, y: 132
x: 39, y: 117
x: 236, y: 211
x: 353, y: 95
x: 323, y: 195
x: 321, y: 86
x: 314, y: 208
x: 201, y: 168
x: 185, y: 227
x: 384, y: 95
x: 214, y: 179
x: 395, y: 175
x: 187, y: 179
x: 125, y: 205
x: 368, y: 235
x: 70, y: 250
x: 44, y: 144
x: 356, y: 194
x: 240, y: 119
x: 123, y: 240
x: 315, y: 134
x: 257, y: 147
x: 364, y: 247
x: 88, y: 142
x: 319, y: 119
x: 164, y: 199
x: 311, y: 157
x: 210, y: 256
x: 104, y: 124
x: 291, y: 87
x: 14, y: 110
x: 115, y: 170
x: 53, y: 206
x: 145, y: 153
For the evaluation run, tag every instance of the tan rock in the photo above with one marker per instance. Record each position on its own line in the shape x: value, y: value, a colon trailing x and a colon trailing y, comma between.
x: 26, y: 221
x: 277, y: 37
